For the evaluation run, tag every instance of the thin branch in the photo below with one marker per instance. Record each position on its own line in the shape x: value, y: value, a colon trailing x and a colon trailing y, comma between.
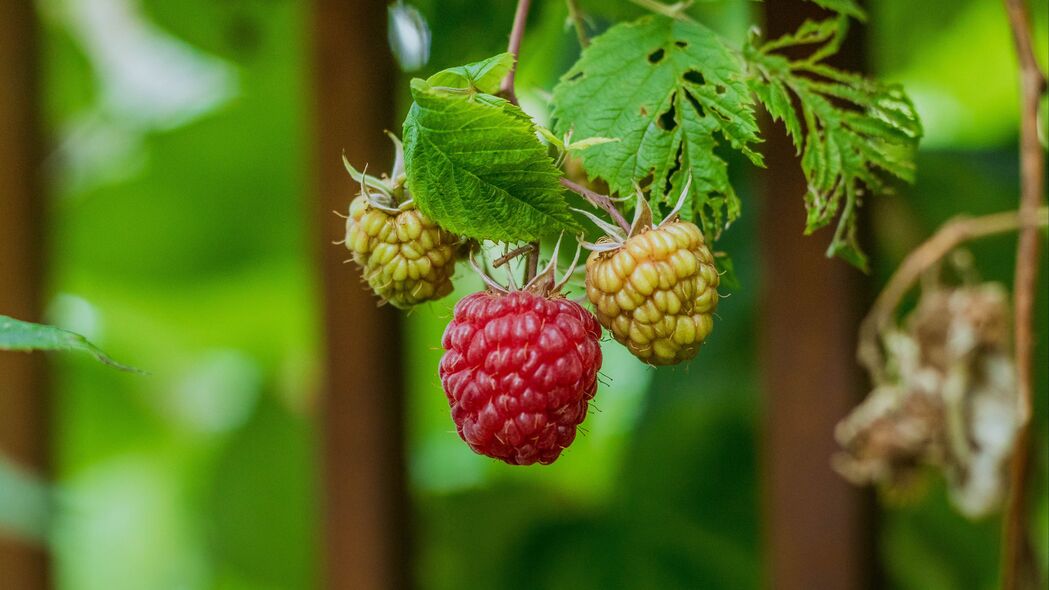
x: 506, y: 89
x: 576, y: 16
x: 527, y: 248
x: 1019, y: 569
x: 951, y: 235
x: 598, y: 200
x: 1020, y: 23
x: 532, y: 264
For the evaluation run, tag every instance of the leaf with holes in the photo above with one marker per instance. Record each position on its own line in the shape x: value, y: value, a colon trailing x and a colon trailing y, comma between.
x: 25, y: 336
x: 476, y: 166
x: 670, y: 91
x: 851, y: 132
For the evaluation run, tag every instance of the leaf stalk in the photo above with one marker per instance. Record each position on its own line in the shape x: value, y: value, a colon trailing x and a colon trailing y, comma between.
x: 598, y: 200
x: 1019, y: 568
x: 579, y: 22
x: 506, y: 89
x: 950, y: 235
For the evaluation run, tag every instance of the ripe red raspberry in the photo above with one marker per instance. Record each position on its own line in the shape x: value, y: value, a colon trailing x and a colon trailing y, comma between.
x: 519, y: 372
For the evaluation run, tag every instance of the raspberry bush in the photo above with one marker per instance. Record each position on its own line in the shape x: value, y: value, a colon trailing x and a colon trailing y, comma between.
x: 639, y: 126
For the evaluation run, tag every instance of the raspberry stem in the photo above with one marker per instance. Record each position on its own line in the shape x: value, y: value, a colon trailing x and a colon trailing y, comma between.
x: 506, y: 89
x: 1019, y: 567
x: 578, y: 21
x: 598, y: 200
x: 527, y: 248
x: 532, y: 265
x: 951, y: 235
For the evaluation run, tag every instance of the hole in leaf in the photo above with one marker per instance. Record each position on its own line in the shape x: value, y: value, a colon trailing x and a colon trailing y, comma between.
x: 668, y: 186
x: 681, y: 44
x: 720, y: 89
x: 695, y: 77
x: 575, y: 76
x: 695, y: 104
x: 646, y: 182
x: 668, y: 120
x: 656, y: 56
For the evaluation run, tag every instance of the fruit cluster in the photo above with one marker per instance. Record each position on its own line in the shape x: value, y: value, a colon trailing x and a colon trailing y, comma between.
x: 520, y: 365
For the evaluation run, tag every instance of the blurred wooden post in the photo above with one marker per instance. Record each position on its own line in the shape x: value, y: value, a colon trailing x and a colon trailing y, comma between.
x: 366, y: 506
x: 23, y: 409
x: 818, y: 527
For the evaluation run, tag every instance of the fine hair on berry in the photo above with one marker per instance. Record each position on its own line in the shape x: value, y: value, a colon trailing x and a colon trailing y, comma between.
x: 519, y: 372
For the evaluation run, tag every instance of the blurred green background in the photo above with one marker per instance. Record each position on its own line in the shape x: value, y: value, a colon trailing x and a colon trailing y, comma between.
x: 181, y: 240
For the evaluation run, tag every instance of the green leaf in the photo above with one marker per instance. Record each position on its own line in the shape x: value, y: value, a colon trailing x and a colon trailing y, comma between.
x: 829, y: 32
x: 588, y: 143
x: 847, y: 7
x: 670, y: 91
x: 25, y: 336
x: 476, y: 166
x: 549, y: 136
x: 727, y: 270
x: 777, y: 101
x: 482, y: 76
x: 852, y: 132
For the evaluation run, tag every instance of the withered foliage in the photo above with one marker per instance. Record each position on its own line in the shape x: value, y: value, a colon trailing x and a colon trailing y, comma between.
x: 949, y: 401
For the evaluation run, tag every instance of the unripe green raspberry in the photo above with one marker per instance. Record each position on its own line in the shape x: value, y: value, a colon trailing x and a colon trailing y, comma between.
x: 657, y: 292
x: 405, y: 257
